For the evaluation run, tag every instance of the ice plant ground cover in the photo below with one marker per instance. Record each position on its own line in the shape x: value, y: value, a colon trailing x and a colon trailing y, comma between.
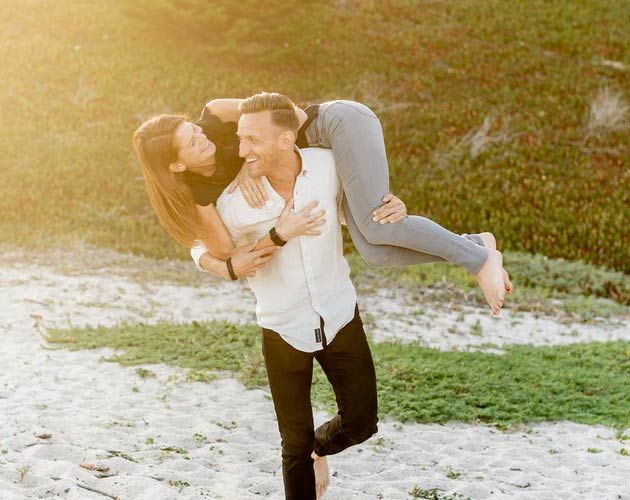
x: 498, y: 115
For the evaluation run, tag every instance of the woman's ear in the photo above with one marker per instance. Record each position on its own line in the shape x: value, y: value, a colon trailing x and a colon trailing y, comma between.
x: 177, y: 167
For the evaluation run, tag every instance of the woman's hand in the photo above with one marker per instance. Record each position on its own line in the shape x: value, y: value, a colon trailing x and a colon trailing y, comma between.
x: 391, y: 211
x: 253, y: 190
x: 246, y: 261
x: 300, y: 223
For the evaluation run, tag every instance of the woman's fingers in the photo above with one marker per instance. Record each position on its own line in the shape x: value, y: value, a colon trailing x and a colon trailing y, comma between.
x: 386, y: 210
x: 261, y: 190
x: 393, y: 219
x: 388, y: 213
x: 289, y: 206
x: 260, y: 197
x: 247, y: 194
x: 253, y: 193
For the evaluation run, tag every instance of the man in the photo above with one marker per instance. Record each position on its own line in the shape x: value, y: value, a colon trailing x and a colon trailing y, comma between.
x: 305, y: 301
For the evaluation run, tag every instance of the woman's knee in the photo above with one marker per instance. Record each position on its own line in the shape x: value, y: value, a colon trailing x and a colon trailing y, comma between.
x: 341, y: 107
x: 376, y: 256
x: 379, y: 234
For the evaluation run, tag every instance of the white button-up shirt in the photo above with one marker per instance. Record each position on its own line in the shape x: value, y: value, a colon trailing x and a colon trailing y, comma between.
x: 307, y: 278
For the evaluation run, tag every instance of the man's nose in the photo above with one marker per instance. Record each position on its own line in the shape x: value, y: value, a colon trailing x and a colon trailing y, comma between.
x: 243, y: 150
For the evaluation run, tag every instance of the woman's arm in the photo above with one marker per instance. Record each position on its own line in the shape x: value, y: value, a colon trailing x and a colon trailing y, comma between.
x: 227, y: 110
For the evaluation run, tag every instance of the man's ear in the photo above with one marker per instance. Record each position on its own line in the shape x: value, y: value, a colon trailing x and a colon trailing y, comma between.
x: 287, y: 139
x: 177, y: 167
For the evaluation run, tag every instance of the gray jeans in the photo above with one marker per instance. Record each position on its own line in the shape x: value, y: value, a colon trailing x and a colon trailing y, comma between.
x: 354, y: 134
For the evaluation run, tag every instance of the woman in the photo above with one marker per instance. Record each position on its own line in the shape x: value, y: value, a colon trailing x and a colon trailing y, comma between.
x: 187, y: 166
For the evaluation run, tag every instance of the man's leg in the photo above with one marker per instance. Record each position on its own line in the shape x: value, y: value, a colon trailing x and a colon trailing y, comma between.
x: 290, y: 373
x: 348, y: 364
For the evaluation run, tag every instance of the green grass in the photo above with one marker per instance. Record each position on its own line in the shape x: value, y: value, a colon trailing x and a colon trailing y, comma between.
x: 79, y: 77
x: 585, y: 383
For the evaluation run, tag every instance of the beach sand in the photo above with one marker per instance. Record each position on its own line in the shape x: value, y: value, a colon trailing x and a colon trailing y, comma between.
x: 162, y: 437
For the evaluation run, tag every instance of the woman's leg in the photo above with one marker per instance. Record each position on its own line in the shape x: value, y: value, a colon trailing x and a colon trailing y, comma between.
x: 389, y: 255
x: 355, y: 136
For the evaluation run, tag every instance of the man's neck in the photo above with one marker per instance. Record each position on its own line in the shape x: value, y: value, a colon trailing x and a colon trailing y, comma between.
x: 285, y: 171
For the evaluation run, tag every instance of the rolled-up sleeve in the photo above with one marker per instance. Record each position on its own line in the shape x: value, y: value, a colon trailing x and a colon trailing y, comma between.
x: 196, y: 252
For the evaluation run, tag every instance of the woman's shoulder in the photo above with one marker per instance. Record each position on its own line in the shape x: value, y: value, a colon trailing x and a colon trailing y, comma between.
x: 203, y: 189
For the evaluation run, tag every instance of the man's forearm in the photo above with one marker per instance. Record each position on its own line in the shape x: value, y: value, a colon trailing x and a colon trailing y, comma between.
x: 264, y: 242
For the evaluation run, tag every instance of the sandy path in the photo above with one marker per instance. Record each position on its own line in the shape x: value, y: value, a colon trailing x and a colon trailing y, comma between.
x: 229, y: 434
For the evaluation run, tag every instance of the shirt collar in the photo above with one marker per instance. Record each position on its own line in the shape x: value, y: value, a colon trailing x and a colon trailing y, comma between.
x: 305, y: 172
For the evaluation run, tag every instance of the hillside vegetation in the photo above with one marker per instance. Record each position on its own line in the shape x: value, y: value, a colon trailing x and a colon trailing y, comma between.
x: 499, y: 115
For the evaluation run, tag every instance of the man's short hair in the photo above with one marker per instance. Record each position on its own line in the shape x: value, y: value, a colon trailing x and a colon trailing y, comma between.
x: 283, y: 111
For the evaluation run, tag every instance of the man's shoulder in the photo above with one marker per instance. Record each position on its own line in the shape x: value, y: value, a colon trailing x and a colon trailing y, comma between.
x: 234, y: 208
x: 317, y: 155
x: 232, y: 202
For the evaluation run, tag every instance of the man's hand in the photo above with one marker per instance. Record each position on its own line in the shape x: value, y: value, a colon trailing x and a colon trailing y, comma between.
x: 391, y: 211
x: 246, y: 261
x: 253, y: 190
x: 300, y: 223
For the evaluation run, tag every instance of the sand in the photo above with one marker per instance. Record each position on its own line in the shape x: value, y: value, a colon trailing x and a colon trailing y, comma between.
x: 165, y: 438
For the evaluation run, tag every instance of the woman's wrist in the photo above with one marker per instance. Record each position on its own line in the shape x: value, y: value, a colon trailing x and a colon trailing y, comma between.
x: 230, y: 269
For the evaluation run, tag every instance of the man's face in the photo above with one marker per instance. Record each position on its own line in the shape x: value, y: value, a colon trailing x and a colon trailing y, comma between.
x: 193, y: 147
x: 260, y: 142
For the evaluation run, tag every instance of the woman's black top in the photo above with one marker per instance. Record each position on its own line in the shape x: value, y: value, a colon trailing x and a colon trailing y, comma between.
x: 206, y: 190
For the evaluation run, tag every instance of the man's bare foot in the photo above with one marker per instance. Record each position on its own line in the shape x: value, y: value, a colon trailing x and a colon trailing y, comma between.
x: 322, y: 479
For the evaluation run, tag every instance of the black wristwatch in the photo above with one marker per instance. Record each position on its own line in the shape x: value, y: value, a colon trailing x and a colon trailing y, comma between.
x: 276, y: 238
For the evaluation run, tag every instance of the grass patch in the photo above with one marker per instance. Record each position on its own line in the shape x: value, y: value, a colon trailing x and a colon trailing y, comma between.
x: 487, y: 108
x: 585, y: 383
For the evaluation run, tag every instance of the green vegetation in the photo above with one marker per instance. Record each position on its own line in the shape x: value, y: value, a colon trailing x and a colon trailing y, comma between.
x: 434, y: 494
x: 586, y: 383
x: 80, y: 76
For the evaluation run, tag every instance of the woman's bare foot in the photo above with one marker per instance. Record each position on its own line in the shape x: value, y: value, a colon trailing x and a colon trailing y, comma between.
x: 509, y: 287
x: 489, y: 241
x: 491, y: 277
x: 322, y: 479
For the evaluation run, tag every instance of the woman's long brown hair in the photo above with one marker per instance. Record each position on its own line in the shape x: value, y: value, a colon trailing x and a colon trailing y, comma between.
x: 170, y: 196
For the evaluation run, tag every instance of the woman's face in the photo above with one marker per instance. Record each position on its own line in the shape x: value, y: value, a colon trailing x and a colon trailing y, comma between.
x: 194, y: 149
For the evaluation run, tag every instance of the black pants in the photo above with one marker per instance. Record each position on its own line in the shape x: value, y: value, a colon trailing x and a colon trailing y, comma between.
x: 348, y: 364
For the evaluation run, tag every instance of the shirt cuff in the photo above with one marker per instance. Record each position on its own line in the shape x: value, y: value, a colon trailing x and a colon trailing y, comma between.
x: 196, y: 252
